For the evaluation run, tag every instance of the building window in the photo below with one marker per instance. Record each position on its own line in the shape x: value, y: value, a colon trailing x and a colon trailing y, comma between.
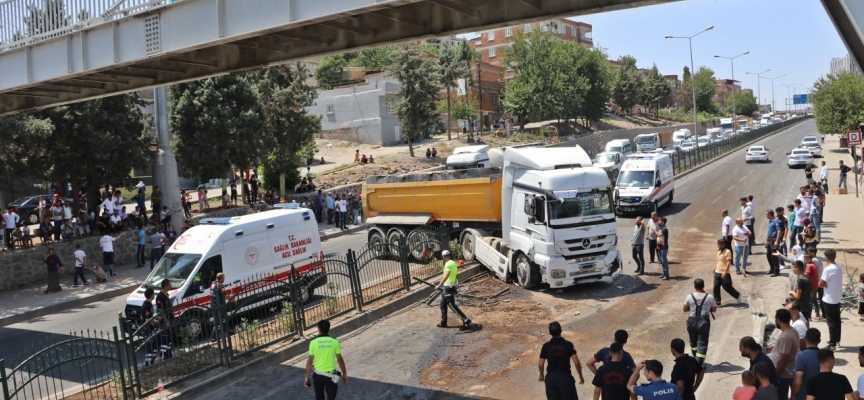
x: 554, y: 26
x: 492, y: 52
x: 574, y: 31
x: 392, y: 106
x: 490, y: 36
x: 330, y: 109
x: 508, y: 32
x: 528, y: 28
x: 588, y: 36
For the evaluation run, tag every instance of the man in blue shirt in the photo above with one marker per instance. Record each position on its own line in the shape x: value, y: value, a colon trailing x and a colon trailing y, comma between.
x: 806, y: 364
x: 604, y: 355
x: 770, y: 249
x: 330, y: 205
x: 142, y: 240
x: 656, y: 388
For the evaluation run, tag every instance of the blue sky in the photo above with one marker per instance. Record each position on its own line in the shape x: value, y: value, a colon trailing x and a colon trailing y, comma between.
x: 792, y: 37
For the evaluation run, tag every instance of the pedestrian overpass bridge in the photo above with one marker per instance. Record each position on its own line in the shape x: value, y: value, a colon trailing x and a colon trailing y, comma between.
x: 54, y: 52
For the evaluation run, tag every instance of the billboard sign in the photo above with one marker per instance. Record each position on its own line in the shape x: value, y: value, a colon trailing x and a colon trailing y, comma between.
x: 800, y: 99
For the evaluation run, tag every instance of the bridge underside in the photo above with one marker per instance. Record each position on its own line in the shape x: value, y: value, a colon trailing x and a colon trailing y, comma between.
x: 192, y: 39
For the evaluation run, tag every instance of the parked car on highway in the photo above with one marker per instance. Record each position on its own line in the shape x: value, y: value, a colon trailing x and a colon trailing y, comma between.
x: 672, y: 150
x: 727, y: 134
x: 25, y: 207
x: 812, y: 143
x: 687, y: 146
x: 756, y: 153
x: 704, y: 141
x: 799, y: 157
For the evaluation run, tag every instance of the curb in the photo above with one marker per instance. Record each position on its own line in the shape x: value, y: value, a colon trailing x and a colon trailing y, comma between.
x: 59, y: 307
x: 217, y: 382
x: 55, y: 308
x: 692, y: 170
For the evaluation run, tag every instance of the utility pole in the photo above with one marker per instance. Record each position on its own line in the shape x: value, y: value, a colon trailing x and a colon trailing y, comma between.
x: 166, y: 165
x: 480, y: 93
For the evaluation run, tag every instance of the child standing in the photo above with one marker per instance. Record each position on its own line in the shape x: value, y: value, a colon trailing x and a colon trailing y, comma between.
x: 860, y: 290
x: 747, y: 388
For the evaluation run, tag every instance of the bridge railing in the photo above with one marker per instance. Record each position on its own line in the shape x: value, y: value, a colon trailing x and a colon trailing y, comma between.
x: 26, y: 22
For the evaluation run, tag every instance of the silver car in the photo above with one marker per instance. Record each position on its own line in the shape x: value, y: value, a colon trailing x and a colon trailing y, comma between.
x: 799, y: 158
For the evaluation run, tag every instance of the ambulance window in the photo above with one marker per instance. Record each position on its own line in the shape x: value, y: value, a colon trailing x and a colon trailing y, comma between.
x: 205, y: 276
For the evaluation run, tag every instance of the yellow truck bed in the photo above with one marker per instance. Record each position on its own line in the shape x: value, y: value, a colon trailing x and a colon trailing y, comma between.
x: 466, y: 195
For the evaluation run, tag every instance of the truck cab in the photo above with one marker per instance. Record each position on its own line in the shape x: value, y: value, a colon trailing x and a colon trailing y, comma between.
x: 647, y: 142
x: 468, y: 157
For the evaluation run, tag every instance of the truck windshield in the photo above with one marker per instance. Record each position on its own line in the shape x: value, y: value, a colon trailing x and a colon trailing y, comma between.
x: 742, y: 123
x: 176, y: 267
x: 613, y: 149
x: 583, y: 205
x: 636, y: 179
x: 726, y: 126
x: 604, y: 158
x: 645, y: 139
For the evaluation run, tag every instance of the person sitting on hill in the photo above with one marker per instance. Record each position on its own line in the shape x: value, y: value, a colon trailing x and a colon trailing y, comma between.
x: 371, y: 160
x: 434, y: 152
x: 363, y: 159
x: 428, y: 153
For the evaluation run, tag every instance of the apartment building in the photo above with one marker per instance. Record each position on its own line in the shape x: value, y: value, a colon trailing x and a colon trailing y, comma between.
x: 845, y: 64
x: 723, y: 89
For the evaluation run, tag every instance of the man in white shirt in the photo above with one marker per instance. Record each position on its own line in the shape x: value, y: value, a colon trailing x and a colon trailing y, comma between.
x: 57, y: 212
x: 726, y: 229
x: 823, y: 176
x: 80, y: 262
x: 747, y: 218
x: 10, y: 221
x: 342, y: 205
x: 116, y: 221
x: 108, y: 205
x: 832, y: 282
x: 740, y: 235
x: 752, y: 225
x: 67, y: 211
x: 806, y: 201
x: 107, y: 243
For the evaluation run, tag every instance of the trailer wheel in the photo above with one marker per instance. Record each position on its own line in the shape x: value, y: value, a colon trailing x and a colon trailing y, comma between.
x: 422, y: 245
x: 378, y: 243
x: 468, y: 242
x: 393, y: 237
x: 527, y: 273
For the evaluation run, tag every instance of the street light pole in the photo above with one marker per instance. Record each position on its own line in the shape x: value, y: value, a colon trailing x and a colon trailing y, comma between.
x: 759, y: 87
x: 772, y: 90
x: 732, y: 63
x: 693, y: 81
x: 789, y: 96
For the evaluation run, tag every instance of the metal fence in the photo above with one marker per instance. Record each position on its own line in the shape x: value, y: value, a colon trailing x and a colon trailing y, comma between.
x: 24, y: 22
x: 139, y: 358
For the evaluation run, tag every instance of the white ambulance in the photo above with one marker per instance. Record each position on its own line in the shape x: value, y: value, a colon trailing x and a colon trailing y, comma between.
x: 646, y: 182
x: 252, y: 247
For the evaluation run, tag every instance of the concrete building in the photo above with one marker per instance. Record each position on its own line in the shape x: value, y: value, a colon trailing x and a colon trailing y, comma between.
x: 364, y: 113
x: 845, y: 64
x: 723, y: 89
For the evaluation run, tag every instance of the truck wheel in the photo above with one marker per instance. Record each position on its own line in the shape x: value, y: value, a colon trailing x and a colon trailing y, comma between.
x: 393, y: 237
x: 378, y: 243
x: 527, y: 273
x: 422, y: 245
x: 468, y: 243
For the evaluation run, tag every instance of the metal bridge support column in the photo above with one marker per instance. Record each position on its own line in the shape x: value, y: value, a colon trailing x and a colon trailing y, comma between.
x: 166, y: 167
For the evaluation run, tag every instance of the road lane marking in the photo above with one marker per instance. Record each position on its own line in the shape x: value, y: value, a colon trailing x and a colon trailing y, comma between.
x: 743, y: 177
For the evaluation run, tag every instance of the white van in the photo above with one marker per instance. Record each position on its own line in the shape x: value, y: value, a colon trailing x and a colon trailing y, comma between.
x: 646, y: 182
x: 257, y: 246
x: 619, y: 146
x: 681, y: 135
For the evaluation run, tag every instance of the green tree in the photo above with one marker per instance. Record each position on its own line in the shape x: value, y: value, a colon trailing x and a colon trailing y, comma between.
x: 218, y: 123
x: 96, y: 142
x: 417, y: 76
x: 284, y: 97
x: 50, y: 16
x: 629, y: 87
x: 468, y: 54
x: 598, y: 72
x: 838, y: 102
x: 461, y: 107
x: 705, y: 85
x: 452, y: 69
x: 329, y: 72
x: 745, y: 103
x: 685, y: 76
x: 24, y: 141
x: 658, y: 91
x: 374, y: 59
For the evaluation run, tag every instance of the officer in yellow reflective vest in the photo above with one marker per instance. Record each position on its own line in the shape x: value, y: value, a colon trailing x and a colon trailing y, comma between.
x: 324, y: 353
x: 448, y: 297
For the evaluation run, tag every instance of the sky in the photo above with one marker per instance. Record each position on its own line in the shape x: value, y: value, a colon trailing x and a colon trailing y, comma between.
x: 792, y: 37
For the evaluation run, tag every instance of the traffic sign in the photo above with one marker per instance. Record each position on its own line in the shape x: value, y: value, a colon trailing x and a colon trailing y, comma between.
x: 853, y: 138
x: 799, y: 99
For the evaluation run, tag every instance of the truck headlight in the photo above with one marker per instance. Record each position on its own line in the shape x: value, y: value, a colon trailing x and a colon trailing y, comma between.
x: 559, y: 274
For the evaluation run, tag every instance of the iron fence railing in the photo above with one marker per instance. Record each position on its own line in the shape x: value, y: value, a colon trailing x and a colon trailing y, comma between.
x: 144, y: 356
x: 24, y: 22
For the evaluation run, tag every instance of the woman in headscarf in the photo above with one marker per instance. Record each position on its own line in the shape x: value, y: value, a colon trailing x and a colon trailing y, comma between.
x: 54, y: 264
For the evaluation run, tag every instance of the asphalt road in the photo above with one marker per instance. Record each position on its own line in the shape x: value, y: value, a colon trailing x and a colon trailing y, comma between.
x: 399, y: 347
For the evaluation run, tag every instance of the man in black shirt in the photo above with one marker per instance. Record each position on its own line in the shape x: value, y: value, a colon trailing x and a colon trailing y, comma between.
x: 166, y: 310
x: 828, y: 385
x: 559, y: 381
x: 687, y: 373
x: 610, y: 381
x: 753, y: 351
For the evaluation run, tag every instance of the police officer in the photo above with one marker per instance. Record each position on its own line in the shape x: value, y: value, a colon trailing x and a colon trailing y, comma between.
x: 324, y: 353
x: 218, y: 298
x: 699, y: 305
x: 448, y: 296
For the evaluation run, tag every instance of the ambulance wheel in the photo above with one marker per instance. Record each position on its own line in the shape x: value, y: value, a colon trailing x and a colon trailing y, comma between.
x: 193, y: 325
x: 527, y: 273
x: 468, y: 247
x: 307, y: 294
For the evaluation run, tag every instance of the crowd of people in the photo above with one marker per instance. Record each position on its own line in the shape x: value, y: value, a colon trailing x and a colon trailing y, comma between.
x: 340, y: 209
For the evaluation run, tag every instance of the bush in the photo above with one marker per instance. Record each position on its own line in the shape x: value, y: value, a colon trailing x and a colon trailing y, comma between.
x: 248, y: 333
x: 456, y: 250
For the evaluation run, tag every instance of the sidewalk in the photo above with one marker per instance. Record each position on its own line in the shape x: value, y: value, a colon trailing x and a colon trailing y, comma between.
x: 29, y: 302
x: 839, y: 231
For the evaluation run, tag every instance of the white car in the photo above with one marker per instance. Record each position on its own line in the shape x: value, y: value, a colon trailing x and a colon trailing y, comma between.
x: 799, y: 157
x: 757, y: 153
x: 687, y: 146
x: 812, y: 143
x: 704, y: 141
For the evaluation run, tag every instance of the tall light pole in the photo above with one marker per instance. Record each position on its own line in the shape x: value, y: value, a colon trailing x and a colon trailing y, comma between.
x: 759, y: 87
x: 693, y: 79
x: 732, y: 62
x: 788, y: 94
x: 772, y: 90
